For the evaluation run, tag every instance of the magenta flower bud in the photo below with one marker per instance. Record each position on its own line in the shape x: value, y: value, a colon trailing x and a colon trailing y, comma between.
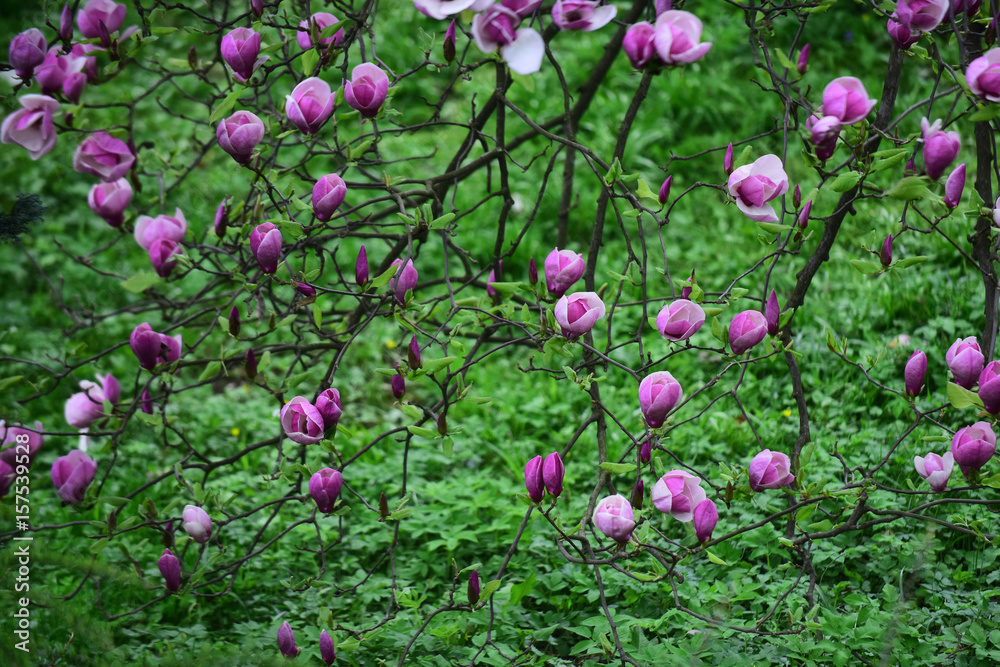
x: 305, y: 289
x: 14, y: 454
x: 553, y: 472
x: 442, y: 424
x: 922, y: 15
x: 109, y: 200
x: 677, y: 493
x: 885, y: 252
x: 953, y: 186
x: 473, y: 590
x: 686, y: 292
x: 803, y: 218
x: 753, y: 185
x: 250, y: 364
x: 324, y: 487
x: 680, y: 320
x: 577, y: 313
x: 965, y: 360
x: 706, y: 516
x: 646, y: 451
x: 823, y: 133
x: 398, y: 386
x: 66, y: 24
x: 746, y: 330
x: 677, y: 37
x: 104, y: 35
x: 448, y: 47
x: 983, y: 75
x: 328, y: 404
x: 170, y: 568
x: 72, y: 474
x: 490, y: 291
x: 658, y: 394
x: 935, y: 469
x: 103, y: 156
x: 638, y: 495
x: 802, y: 65
x: 532, y: 272
x: 367, y: 89
x: 404, y: 280
x: 562, y: 269
x: 310, y: 105
x: 222, y: 217
x: 639, y: 45
x: 32, y: 126
x: 95, y: 12
x: 197, y: 524
x: 910, y: 168
x: 152, y: 348
x: 239, y: 135
x: 846, y: 98
x: 302, y: 422
x: 361, y: 268
x: 161, y: 254
x: 769, y: 470
x: 286, y: 641
x: 147, y: 403
x: 534, y: 479
x: 973, y: 446
x: 913, y: 374
x: 940, y: 148
x: 234, y: 321
x: 665, y: 190
x: 584, y: 15
x: 27, y: 51
x: 240, y: 49
x: 326, y: 651
x: 323, y: 20
x: 265, y: 244
x: 148, y: 229
x: 902, y: 36
x: 328, y: 194
x: 413, y: 354
x: 727, y: 160
x: 771, y: 314
x: 84, y: 408
x: 989, y: 387
x: 614, y: 517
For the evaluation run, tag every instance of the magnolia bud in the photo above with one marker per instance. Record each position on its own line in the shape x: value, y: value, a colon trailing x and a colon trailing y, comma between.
x: 665, y: 190
x: 361, y: 268
x: 442, y: 424
x: 802, y: 66
x: 383, y: 506
x: 532, y: 272
x: 66, y: 24
x: 885, y: 254
x: 305, y: 289
x: 727, y: 162
x: 771, y: 313
x: 326, y: 651
x: 953, y: 187
x: 413, y: 354
x: 553, y: 471
x: 398, y: 386
x: 170, y: 568
x: 473, y: 588
x: 638, y: 495
x: 250, y: 364
x: 234, y: 322
x: 804, y: 214
x: 646, y: 451
x: 796, y: 197
x: 449, y: 42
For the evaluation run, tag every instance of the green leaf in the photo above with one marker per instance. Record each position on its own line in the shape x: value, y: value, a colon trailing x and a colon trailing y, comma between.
x: 411, y: 411
x: 613, y: 173
x: 987, y: 112
x: 141, y: 282
x: 310, y: 59
x: 433, y: 365
x: 98, y: 546
x: 744, y: 157
x: 961, y: 398
x: 865, y: 267
x: 422, y: 432
x: 317, y: 314
x: 715, y: 559
x: 908, y: 189
x: 488, y: 589
x: 846, y: 181
x: 887, y: 162
x: 910, y: 261
x: 993, y: 481
x: 443, y: 221
x: 210, y: 371
x: 225, y: 106
x: 772, y: 227
x: 383, y: 278
x: 7, y: 382
x: 618, y: 468
x: 117, y: 501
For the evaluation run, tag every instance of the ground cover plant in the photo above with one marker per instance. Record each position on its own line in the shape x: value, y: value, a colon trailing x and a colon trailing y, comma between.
x: 457, y: 332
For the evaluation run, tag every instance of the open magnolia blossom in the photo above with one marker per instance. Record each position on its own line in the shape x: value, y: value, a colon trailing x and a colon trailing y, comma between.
x: 522, y: 48
x: 754, y: 185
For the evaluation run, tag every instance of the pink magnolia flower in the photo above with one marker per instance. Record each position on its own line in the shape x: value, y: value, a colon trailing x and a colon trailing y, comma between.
x: 940, y: 147
x: 324, y: 488
x: 162, y: 254
x: 265, y: 244
x: 678, y: 493
x: 846, y: 98
x: 8, y: 439
x: 753, y: 185
x: 901, y: 35
x: 239, y: 135
x: 914, y: 372
x: 197, y: 523
x: 639, y: 44
x: 677, y: 37
x: 103, y: 156
x: 302, y: 422
x: 32, y: 127
x: 935, y: 469
x: 95, y: 12
x: 562, y: 269
x: 309, y: 105
x: 658, y: 394
x: 152, y: 348
x: 27, y: 51
x: 922, y: 15
x: 497, y: 27
x: 240, y: 49
x: 983, y: 75
x: 534, y: 481
x: 148, y: 229
x: 965, y: 360
x: 553, y: 471
x: 954, y: 186
x: 327, y: 196
x: 680, y: 320
x: 109, y: 200
x: 746, y: 330
x: 989, y: 387
x: 823, y: 133
x: 72, y: 474
x: 440, y: 9
x: 66, y: 73
x: 404, y: 280
x: 585, y: 15
x: 323, y: 20
x: 614, y: 517
x: 367, y: 89
x: 328, y: 404
x: 769, y: 470
x: 578, y: 313
x: 973, y: 446
x: 86, y: 407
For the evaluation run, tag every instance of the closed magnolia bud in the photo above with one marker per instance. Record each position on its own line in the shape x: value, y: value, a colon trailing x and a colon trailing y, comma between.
x: 646, y: 451
x: 327, y: 196
x: 796, y: 196
x: 250, y: 364
x: 328, y: 404
x: 361, y: 268
x: 222, y: 217
x: 413, y: 354
x: 639, y: 44
x: 167, y: 539
x: 553, y: 471
x: 324, y: 488
x: 383, y: 505
x: 448, y: 48
x: 771, y: 314
x: 940, y: 147
x: 234, y: 321
x: 442, y: 424
x: 170, y: 568
x: 989, y: 387
x: 398, y: 386
x: 27, y: 51
x: 239, y: 135
x: 326, y: 651
x: 727, y: 161
x: 664, y: 194
x: 953, y: 186
x: 638, y: 495
x: 147, y: 403
x: 286, y: 641
x: 658, y: 394
x: 965, y: 360
x: 562, y: 269
x: 109, y: 200
x: 305, y: 289
x: 72, y: 474
x: 706, y: 516
x: 162, y: 255
x: 240, y: 49
x: 533, y: 479
x: 257, y: 7
x: 973, y: 446
x: 910, y: 168
x: 367, y: 89
x: 197, y: 524
x: 802, y: 65
x: 803, y: 218
x: 532, y: 272
x: 265, y: 244
x: 66, y: 24
x: 405, y: 279
x: 490, y: 291
x: 913, y: 374
x: 473, y: 589
x: 746, y: 330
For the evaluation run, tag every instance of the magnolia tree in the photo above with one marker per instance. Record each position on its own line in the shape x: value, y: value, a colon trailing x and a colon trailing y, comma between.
x: 348, y: 214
